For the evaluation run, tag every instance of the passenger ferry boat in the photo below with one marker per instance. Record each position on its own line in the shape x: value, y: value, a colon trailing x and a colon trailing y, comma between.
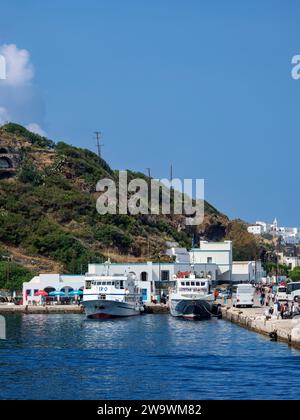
x: 192, y: 297
x: 106, y: 296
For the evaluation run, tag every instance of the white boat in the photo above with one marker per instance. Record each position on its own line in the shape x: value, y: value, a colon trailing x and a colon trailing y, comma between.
x: 106, y: 296
x: 191, y: 297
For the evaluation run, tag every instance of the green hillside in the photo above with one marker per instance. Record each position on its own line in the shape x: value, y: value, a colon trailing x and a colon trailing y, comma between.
x: 48, y: 217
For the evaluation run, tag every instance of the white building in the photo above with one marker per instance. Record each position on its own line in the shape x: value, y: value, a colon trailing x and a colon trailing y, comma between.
x: 211, y: 258
x: 291, y: 262
x: 180, y: 255
x: 218, y: 253
x: 290, y: 235
x: 154, y: 277
x: 256, y: 229
x: 50, y: 283
x: 247, y: 271
x: 266, y: 227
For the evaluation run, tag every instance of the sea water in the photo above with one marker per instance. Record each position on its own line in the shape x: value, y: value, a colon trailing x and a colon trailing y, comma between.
x: 143, y: 357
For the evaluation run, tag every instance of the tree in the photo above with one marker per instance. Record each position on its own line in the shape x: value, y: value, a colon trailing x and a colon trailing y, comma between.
x: 245, y: 247
x: 13, y: 275
x: 294, y: 275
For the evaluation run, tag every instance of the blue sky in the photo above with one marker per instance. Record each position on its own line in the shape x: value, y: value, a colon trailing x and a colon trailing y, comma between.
x: 205, y: 85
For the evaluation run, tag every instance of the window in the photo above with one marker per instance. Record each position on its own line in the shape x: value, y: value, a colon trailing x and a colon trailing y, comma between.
x: 88, y: 284
x: 192, y: 283
x: 144, y: 276
x: 28, y: 292
x: 203, y: 283
x: 187, y: 283
x: 121, y: 284
x: 197, y: 283
x: 182, y: 283
x: 165, y: 275
x: 109, y: 283
x: 209, y: 260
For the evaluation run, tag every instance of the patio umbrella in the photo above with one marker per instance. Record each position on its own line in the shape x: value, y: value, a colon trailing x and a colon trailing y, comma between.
x: 56, y: 293
x: 75, y: 293
x: 41, y: 293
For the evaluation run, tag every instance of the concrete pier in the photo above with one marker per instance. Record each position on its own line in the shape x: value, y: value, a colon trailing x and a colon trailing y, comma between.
x: 69, y: 309
x: 157, y: 308
x: 287, y: 330
x: 35, y: 309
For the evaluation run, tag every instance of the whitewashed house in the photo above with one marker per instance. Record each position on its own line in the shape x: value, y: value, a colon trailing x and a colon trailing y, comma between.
x: 247, y: 271
x: 218, y: 253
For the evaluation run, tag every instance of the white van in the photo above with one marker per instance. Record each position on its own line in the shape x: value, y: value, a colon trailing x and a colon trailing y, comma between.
x: 293, y: 291
x: 281, y: 293
x: 244, y: 295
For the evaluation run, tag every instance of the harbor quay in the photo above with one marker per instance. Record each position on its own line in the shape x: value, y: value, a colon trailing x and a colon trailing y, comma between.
x: 158, y: 308
x: 258, y: 320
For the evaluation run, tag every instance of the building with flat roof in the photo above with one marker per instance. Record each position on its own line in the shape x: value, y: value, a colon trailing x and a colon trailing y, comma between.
x: 247, y: 271
x: 217, y: 253
x: 50, y: 283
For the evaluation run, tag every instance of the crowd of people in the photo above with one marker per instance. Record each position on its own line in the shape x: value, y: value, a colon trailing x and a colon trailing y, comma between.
x: 274, y: 307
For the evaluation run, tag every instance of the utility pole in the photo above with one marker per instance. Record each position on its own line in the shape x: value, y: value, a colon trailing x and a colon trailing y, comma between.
x: 149, y: 172
x: 172, y: 193
x: 99, y: 145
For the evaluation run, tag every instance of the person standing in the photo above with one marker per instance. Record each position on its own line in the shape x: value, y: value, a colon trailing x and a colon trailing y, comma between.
x: 275, y: 309
x: 282, y: 309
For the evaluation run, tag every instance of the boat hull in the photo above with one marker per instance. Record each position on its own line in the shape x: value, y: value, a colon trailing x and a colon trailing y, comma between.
x: 106, y: 309
x: 191, y: 308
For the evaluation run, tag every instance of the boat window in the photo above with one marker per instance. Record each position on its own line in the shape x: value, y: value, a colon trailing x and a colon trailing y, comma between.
x: 98, y: 283
x: 109, y: 283
x: 104, y: 283
x: 117, y: 285
x: 192, y: 283
x: 187, y: 283
x: 121, y: 284
x: 197, y: 283
x: 203, y: 283
x: 88, y: 284
x: 182, y: 283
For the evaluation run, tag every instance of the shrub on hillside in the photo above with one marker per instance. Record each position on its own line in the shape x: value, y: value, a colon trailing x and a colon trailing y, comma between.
x: 13, y: 275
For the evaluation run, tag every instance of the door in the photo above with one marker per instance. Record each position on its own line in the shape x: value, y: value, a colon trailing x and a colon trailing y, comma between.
x: 144, y: 295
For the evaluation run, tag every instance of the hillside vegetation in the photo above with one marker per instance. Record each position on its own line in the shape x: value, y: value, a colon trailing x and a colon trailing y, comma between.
x: 48, y: 217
